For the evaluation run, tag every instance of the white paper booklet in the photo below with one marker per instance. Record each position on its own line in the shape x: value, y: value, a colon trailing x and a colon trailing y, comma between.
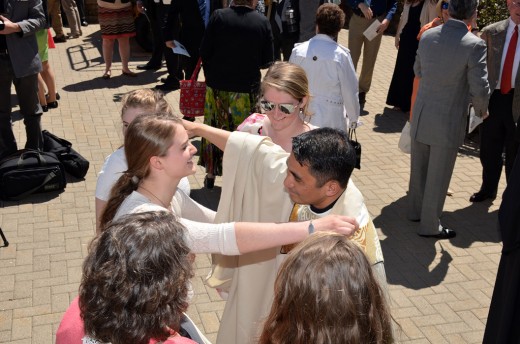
x: 474, y: 120
x: 371, y: 32
x: 180, y: 49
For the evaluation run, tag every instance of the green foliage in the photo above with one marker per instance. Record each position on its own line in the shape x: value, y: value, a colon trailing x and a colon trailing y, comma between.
x: 491, y: 11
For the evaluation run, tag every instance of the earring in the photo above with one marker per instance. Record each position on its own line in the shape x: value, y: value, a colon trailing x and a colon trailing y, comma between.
x: 301, y: 111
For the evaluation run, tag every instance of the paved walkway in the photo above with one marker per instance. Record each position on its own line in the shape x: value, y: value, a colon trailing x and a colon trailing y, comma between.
x: 440, y: 290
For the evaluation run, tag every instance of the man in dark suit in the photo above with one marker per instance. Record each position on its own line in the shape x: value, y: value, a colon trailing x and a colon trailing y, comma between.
x: 499, y: 132
x: 157, y: 11
x: 189, y: 16
x: 448, y: 82
x: 20, y: 64
x: 504, y: 311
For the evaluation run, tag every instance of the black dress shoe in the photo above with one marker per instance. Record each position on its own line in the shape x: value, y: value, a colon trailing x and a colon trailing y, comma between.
x: 52, y: 105
x: 84, y: 23
x: 481, y: 196
x: 445, y: 233
x: 167, y: 87
x: 60, y: 39
x: 148, y: 67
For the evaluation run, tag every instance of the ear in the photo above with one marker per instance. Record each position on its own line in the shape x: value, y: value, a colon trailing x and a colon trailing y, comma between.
x: 156, y: 163
x: 304, y: 101
x: 332, y: 188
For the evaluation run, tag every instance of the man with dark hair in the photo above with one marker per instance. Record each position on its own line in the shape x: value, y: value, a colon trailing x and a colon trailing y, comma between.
x: 20, y: 65
x: 448, y: 82
x: 265, y: 183
x: 499, y: 132
x: 332, y: 78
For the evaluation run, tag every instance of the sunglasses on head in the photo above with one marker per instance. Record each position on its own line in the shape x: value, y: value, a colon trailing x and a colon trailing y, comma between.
x: 445, y: 5
x: 286, y: 108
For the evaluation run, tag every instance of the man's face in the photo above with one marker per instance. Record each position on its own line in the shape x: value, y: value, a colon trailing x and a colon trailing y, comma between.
x: 514, y: 10
x: 301, y: 185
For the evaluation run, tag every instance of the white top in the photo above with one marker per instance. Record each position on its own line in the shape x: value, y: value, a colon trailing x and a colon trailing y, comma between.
x: 516, y: 62
x: 114, y: 166
x: 332, y: 81
x: 202, y: 235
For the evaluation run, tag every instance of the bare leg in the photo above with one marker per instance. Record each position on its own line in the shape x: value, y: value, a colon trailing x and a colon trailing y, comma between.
x: 108, y: 52
x: 41, y: 90
x: 124, y: 51
x: 48, y: 77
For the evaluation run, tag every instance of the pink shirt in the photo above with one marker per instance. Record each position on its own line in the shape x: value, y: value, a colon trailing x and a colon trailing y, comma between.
x: 71, y: 329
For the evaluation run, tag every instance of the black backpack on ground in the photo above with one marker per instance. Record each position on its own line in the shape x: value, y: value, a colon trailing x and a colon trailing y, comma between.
x: 74, y: 163
x: 27, y: 172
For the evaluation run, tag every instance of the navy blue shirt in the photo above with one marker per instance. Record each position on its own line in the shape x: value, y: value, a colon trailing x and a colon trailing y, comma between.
x: 379, y: 7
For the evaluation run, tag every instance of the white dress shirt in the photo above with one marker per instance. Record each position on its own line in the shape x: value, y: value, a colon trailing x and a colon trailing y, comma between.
x: 510, y: 30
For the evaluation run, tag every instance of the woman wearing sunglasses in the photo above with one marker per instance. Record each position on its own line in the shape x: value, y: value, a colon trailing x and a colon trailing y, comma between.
x: 159, y: 154
x: 284, y: 99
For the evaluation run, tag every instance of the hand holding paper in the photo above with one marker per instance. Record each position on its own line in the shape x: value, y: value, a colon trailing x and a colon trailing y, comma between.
x: 178, y: 48
x: 371, y: 32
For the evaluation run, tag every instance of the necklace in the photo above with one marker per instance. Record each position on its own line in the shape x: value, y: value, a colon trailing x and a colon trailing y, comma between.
x: 157, y: 198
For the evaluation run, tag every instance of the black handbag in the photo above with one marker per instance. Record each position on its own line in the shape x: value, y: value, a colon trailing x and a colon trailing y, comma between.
x: 74, y: 163
x: 352, y: 138
x: 27, y: 172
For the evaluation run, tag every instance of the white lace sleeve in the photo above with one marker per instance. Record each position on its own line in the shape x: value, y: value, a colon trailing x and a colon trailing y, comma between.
x: 211, y: 238
x: 203, y: 235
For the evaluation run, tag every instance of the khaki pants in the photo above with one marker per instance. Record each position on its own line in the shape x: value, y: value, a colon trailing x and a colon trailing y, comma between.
x: 72, y: 13
x: 356, y: 40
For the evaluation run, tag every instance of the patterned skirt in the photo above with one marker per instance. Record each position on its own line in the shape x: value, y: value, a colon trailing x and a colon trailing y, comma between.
x: 116, y: 23
x: 223, y: 110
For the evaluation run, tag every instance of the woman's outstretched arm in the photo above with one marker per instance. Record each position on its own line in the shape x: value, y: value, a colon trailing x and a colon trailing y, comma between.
x: 216, y: 136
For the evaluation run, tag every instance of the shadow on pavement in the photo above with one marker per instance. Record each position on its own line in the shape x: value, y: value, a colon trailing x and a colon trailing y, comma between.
x: 79, y: 56
x: 390, y: 121
x: 413, y: 261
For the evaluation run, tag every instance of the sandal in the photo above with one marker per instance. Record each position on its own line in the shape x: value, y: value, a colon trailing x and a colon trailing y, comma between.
x: 130, y: 74
x: 107, y: 75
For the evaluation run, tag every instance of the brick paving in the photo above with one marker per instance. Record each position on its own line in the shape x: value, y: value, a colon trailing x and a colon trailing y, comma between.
x: 440, y: 291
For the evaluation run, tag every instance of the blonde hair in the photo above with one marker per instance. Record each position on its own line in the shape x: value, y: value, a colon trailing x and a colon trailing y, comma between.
x: 289, y: 78
x: 147, y: 99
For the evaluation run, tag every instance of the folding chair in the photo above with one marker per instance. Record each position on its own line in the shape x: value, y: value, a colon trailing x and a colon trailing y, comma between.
x: 6, y: 243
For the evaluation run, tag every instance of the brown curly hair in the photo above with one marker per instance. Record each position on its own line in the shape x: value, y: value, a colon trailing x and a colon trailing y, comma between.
x: 136, y: 279
x: 326, y: 292
x: 330, y: 19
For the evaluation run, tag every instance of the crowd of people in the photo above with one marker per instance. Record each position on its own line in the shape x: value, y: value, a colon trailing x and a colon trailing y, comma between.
x: 295, y: 252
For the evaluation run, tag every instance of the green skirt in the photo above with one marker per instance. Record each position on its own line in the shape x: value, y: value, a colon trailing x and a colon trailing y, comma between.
x: 223, y: 110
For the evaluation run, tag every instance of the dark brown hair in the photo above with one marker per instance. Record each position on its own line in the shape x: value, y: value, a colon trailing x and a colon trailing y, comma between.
x: 330, y: 19
x: 148, y: 135
x: 136, y: 279
x: 326, y: 292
